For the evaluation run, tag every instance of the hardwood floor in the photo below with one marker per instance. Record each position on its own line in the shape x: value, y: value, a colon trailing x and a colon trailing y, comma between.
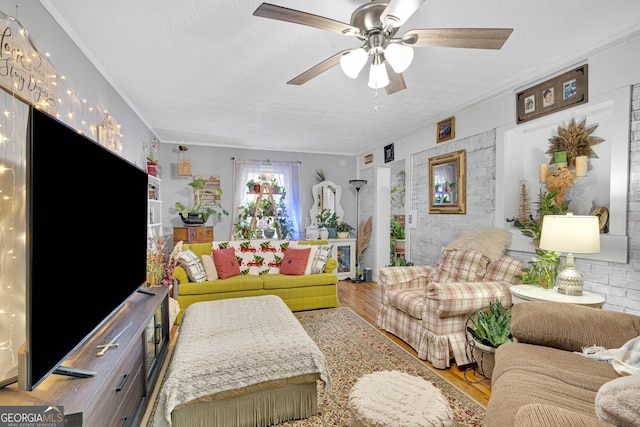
x: 363, y: 299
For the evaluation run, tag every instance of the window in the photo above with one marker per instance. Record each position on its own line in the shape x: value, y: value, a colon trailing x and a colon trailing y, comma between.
x: 282, y: 173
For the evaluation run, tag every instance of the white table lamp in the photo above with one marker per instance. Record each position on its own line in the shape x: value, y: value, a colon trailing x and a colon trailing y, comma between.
x: 571, y: 234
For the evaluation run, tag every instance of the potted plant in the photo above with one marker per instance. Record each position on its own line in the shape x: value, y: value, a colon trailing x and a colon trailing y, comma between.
x: 489, y: 328
x: 542, y: 270
x: 253, y: 186
x: 397, y: 236
x: 343, y: 229
x: 199, y: 213
x: 332, y: 224
x: 275, y: 188
x: 152, y: 165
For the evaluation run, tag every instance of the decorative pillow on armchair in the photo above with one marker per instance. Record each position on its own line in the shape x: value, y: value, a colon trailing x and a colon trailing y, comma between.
x: 460, y: 266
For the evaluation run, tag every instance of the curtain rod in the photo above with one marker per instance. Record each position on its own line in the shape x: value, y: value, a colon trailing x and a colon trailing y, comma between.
x: 268, y: 161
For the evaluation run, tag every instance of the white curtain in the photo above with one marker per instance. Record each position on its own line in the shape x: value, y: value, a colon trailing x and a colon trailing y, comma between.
x: 243, y: 170
x: 289, y: 170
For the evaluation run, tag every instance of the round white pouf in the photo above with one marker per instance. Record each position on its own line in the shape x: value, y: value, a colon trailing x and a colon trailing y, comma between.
x: 392, y: 398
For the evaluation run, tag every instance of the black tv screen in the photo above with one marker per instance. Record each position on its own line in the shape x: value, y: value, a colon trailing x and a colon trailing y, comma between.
x: 86, y: 240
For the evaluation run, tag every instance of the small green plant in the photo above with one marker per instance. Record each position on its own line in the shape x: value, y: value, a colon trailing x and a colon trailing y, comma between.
x: 545, y: 206
x: 397, y: 230
x: 323, y: 217
x: 491, y: 326
x: 343, y: 227
x: 400, y: 262
x: 543, y: 269
x: 251, y: 183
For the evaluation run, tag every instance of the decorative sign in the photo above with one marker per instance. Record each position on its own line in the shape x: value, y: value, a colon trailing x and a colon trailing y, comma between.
x: 388, y: 153
x: 209, y: 193
x: 109, y: 135
x: 561, y: 92
x: 368, y: 159
x: 23, y: 70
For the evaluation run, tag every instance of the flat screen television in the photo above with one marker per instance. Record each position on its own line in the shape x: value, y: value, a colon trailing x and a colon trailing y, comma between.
x: 86, y: 241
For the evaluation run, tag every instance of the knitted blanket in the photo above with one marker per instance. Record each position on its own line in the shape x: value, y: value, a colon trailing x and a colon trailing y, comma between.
x: 625, y: 360
x: 234, y: 343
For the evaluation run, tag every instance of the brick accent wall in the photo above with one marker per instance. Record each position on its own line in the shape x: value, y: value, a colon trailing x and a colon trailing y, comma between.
x: 437, y: 230
x: 619, y: 283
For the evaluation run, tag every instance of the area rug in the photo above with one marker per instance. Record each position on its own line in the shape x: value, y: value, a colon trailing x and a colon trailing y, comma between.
x: 354, y: 348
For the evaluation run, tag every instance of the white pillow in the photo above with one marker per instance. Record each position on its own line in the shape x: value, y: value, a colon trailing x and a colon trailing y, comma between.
x: 312, y: 256
x: 320, y: 259
x: 192, y: 264
x: 209, y: 267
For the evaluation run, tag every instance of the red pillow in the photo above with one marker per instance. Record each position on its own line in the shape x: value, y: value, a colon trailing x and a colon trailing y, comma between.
x: 295, y: 261
x: 226, y: 262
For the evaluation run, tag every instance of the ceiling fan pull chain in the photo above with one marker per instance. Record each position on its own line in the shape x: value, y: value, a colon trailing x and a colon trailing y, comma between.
x: 375, y: 100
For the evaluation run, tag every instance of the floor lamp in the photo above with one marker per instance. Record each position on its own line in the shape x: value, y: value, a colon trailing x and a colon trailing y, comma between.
x: 357, y: 184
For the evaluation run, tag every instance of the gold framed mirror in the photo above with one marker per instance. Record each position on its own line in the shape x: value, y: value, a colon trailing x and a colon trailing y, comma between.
x: 447, y: 183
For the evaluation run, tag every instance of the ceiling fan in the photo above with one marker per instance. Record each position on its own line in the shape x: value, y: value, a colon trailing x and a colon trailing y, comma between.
x: 375, y: 23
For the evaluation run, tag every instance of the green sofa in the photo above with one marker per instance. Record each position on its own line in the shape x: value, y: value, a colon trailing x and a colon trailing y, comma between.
x: 305, y: 292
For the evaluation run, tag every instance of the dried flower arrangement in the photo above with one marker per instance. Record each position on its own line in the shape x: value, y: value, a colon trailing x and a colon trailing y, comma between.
x: 160, y: 266
x: 576, y: 140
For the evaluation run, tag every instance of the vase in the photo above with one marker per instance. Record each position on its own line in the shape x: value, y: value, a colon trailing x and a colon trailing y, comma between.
x: 342, y: 234
x: 257, y: 188
x: 485, y: 358
x: 192, y: 218
x: 332, y: 232
x: 324, y: 233
x: 152, y: 168
x: 269, y: 233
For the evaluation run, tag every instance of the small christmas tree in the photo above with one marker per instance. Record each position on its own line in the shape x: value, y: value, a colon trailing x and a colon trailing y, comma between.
x: 524, y: 211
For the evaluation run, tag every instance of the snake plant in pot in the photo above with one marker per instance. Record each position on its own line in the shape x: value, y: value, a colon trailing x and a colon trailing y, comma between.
x: 489, y: 328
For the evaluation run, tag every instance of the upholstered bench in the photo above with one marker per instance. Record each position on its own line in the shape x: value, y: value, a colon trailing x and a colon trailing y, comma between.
x: 393, y: 398
x: 241, y: 361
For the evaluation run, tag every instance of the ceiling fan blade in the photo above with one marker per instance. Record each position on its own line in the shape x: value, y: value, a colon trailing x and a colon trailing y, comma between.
x: 398, y: 12
x: 472, y: 38
x: 396, y: 81
x: 318, y: 69
x: 272, y: 11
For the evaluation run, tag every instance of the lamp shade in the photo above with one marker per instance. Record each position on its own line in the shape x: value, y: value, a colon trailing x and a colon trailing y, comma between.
x: 353, y: 62
x: 358, y: 183
x: 571, y: 233
x: 378, y: 77
x: 399, y: 56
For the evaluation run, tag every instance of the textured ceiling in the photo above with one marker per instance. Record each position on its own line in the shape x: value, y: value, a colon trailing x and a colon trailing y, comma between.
x: 209, y: 72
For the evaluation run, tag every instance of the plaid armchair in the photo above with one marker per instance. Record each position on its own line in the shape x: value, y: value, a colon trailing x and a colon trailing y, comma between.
x: 428, y: 307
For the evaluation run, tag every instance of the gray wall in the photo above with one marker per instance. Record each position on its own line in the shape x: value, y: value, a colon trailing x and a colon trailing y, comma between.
x: 218, y: 161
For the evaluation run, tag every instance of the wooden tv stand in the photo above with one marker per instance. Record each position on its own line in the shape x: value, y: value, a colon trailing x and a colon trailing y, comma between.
x: 125, y: 375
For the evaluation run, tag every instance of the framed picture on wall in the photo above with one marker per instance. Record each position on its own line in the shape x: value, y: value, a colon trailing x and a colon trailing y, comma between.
x: 558, y: 93
x: 447, y: 183
x: 388, y: 153
x: 445, y: 130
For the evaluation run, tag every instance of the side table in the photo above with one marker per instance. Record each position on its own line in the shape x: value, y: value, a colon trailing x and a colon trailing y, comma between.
x: 522, y: 293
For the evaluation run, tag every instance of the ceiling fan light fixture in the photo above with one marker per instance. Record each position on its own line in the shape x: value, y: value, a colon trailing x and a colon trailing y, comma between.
x: 353, y: 62
x: 378, y: 77
x: 399, y: 56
